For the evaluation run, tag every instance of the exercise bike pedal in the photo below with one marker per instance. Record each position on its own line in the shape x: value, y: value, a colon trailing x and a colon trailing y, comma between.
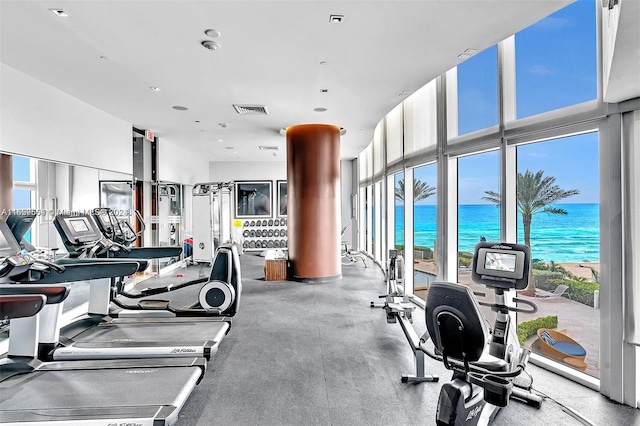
x: 391, y: 318
x: 522, y: 381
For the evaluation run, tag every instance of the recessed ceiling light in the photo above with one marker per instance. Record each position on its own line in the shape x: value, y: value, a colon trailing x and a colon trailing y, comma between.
x: 324, y: 90
x: 154, y: 88
x: 336, y: 19
x: 196, y: 121
x: 179, y: 108
x: 320, y: 109
x: 211, y: 45
x: 60, y: 12
x: 229, y: 147
x: 323, y: 63
x: 464, y: 56
x: 219, y: 140
x: 212, y: 33
x: 223, y: 125
x: 471, y: 51
x: 268, y: 148
x: 104, y: 58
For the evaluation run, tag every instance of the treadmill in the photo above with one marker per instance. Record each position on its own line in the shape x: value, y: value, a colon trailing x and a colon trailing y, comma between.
x: 144, y: 391
x: 98, y: 336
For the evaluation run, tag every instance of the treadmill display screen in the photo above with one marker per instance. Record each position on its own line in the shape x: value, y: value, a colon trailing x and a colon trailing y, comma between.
x: 79, y: 225
x: 500, y: 262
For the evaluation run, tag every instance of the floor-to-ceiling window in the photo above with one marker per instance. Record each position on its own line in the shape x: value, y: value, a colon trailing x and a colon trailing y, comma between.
x: 424, y: 227
x: 558, y: 217
x: 529, y: 104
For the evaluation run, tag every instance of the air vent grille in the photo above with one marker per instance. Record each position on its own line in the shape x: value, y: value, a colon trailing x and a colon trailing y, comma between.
x: 251, y: 109
x: 268, y: 148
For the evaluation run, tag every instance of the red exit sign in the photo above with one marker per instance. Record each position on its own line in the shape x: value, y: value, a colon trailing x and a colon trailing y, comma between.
x: 149, y: 135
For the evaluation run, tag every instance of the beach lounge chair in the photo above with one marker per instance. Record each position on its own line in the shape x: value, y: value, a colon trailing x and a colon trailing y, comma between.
x: 556, y: 294
x: 561, y: 347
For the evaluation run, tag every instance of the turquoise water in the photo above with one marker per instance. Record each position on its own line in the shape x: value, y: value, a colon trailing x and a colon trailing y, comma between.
x: 571, y: 238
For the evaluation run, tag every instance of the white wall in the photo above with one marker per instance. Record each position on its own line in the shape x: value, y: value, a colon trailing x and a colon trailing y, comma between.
x: 178, y: 165
x: 248, y: 170
x: 40, y: 121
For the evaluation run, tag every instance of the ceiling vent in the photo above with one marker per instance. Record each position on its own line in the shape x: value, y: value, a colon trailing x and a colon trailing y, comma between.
x: 268, y: 148
x: 251, y: 109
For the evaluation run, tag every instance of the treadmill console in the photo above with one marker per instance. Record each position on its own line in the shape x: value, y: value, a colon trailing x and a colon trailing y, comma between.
x: 19, y: 224
x: 11, y: 258
x: 77, y: 230
x: 501, y: 265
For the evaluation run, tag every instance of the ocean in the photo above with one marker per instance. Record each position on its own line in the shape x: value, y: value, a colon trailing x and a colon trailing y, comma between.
x: 574, y: 237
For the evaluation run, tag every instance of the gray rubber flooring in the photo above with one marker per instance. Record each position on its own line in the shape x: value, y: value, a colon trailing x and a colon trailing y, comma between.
x: 317, y: 354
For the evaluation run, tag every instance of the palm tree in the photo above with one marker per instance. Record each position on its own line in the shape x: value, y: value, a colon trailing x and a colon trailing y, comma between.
x: 535, y: 193
x: 421, y: 190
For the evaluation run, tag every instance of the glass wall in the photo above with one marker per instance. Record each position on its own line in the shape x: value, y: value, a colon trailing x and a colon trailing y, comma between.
x: 558, y: 217
x: 499, y: 101
x: 424, y: 228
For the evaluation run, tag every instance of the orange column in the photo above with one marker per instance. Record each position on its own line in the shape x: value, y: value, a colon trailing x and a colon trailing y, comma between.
x: 6, y: 185
x: 313, y: 201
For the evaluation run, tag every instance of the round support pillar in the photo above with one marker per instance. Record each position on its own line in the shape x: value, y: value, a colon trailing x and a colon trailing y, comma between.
x: 313, y: 202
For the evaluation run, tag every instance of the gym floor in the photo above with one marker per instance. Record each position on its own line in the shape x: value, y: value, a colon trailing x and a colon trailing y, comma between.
x: 304, y: 354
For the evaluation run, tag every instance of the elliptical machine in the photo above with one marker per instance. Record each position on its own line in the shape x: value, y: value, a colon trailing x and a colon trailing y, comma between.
x: 485, y: 363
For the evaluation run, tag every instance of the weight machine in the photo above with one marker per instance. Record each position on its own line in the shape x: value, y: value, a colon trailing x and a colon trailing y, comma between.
x: 212, y: 218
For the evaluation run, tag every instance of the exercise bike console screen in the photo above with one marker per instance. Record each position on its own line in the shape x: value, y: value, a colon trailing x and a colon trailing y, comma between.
x: 500, y: 265
x: 500, y: 261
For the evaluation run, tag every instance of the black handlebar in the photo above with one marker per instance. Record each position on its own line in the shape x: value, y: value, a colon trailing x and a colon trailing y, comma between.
x: 58, y: 268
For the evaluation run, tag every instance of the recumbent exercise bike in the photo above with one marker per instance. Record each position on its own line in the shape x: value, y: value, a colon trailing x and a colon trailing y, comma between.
x: 485, y: 364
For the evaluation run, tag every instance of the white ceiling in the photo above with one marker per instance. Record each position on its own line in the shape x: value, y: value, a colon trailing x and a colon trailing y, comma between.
x: 109, y: 53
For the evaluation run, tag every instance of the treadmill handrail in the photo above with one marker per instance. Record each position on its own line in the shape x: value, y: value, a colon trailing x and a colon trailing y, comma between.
x: 53, y: 293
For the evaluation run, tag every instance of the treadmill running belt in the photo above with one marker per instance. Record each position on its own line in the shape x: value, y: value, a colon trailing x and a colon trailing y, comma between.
x: 125, y: 393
